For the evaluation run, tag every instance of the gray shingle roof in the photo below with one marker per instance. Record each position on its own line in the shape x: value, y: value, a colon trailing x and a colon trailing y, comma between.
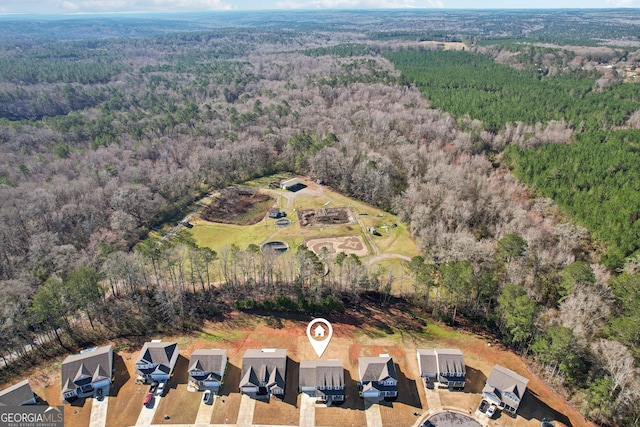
x: 321, y: 373
x: 266, y: 365
x: 508, y: 385
x: 157, y: 352
x: 442, y: 361
x: 208, y: 360
x: 428, y: 361
x: 88, y: 367
x: 376, y: 368
x: 17, y: 394
x: 162, y: 354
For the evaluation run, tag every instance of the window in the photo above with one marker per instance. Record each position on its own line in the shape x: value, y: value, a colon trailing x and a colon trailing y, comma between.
x: 145, y: 365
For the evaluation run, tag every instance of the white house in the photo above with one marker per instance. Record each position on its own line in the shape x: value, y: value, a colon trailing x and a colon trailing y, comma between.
x: 505, y: 388
x: 378, y: 377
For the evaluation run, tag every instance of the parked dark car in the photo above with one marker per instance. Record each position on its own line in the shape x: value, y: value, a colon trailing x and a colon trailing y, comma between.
x: 483, y: 406
x: 99, y: 394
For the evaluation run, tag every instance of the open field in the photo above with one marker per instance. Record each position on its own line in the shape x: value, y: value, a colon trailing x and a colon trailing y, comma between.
x: 389, y: 250
x: 369, y: 331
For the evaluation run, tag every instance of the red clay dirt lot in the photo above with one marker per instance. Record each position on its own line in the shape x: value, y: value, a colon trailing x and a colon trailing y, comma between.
x: 363, y: 333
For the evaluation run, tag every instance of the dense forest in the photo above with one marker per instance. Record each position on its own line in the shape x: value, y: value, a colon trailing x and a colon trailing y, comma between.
x: 512, y: 162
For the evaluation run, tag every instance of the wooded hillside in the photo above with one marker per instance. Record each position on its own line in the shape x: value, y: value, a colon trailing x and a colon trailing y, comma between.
x: 112, y: 129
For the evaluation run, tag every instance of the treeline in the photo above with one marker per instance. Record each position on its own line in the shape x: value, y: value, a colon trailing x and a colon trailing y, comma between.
x: 463, y: 83
x: 595, y: 180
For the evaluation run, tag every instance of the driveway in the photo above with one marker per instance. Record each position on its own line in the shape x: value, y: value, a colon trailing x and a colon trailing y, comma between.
x: 99, y: 412
x: 307, y: 410
x: 372, y: 412
x: 245, y: 414
x: 147, y: 412
x: 205, y: 411
x: 433, y: 398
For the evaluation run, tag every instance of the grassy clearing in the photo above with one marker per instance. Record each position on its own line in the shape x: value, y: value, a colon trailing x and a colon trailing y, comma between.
x: 221, y: 336
x: 431, y: 334
x: 398, y: 241
x: 264, y: 181
x: 217, y: 236
x: 435, y: 332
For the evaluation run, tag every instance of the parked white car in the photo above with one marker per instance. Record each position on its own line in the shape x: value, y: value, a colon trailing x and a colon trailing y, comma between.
x: 160, y: 389
x: 491, y: 411
x: 206, y: 397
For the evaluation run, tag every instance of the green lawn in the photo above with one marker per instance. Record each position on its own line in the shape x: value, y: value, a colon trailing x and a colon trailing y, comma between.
x: 217, y: 236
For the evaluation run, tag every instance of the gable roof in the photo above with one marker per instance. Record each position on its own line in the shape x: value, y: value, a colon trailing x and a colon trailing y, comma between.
x: 264, y: 366
x: 321, y: 374
x: 376, y: 368
x: 17, y: 394
x: 428, y: 361
x: 508, y: 385
x: 450, y: 361
x: 161, y: 354
x: 209, y: 360
x: 87, y: 367
x: 445, y: 361
x: 157, y: 352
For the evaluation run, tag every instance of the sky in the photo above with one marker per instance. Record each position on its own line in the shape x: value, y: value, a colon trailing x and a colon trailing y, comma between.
x: 101, y: 6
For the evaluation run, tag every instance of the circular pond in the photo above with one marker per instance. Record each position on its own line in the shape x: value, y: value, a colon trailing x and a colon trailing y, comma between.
x: 284, y: 222
x: 274, y: 248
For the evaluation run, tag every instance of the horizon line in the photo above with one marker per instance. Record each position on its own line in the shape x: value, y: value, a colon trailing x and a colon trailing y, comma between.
x: 402, y: 9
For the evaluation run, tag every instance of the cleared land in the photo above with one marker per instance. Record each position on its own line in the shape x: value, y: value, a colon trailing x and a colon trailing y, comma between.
x: 332, y: 220
x: 241, y: 207
x: 397, y: 330
x: 324, y: 217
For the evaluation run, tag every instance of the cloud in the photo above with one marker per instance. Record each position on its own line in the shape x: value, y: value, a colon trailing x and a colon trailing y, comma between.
x: 359, y: 4
x: 148, y: 5
x: 623, y: 3
x: 97, y: 6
